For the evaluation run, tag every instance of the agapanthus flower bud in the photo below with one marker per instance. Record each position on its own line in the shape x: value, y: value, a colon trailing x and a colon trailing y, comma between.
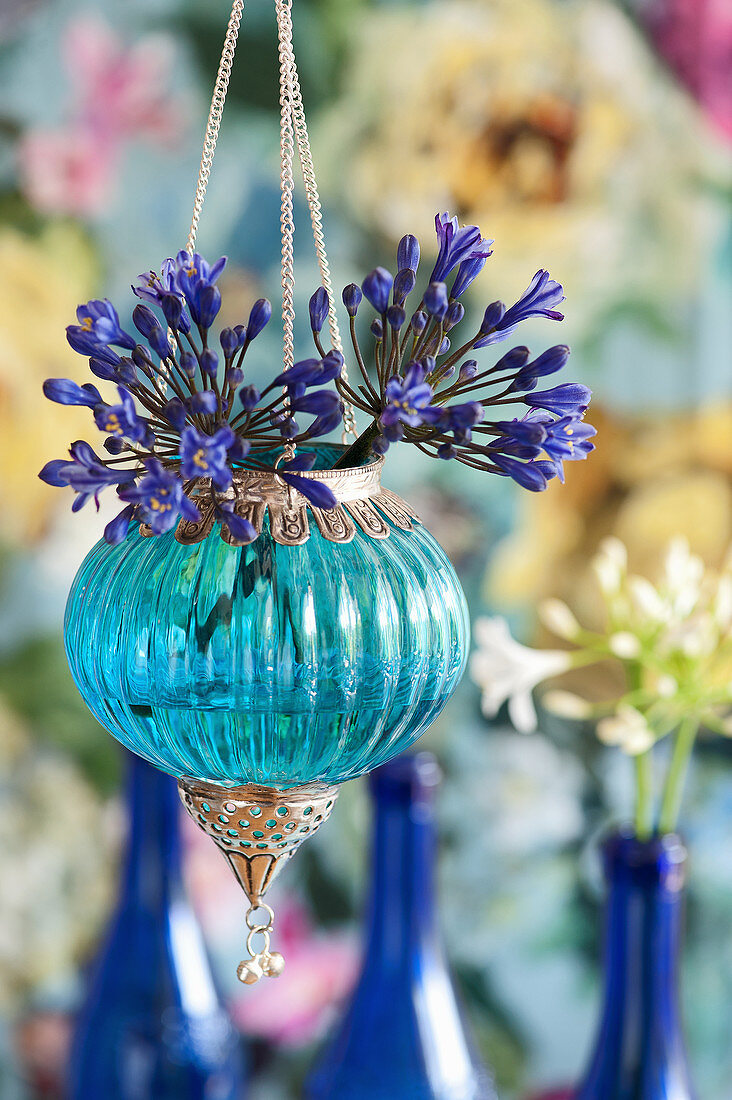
x: 209, y: 362
x: 148, y: 326
x: 419, y: 322
x: 395, y: 316
x: 550, y: 361
x: 454, y: 315
x: 241, y: 334
x: 239, y: 449
x: 106, y: 371
x: 126, y: 373
x: 209, y: 304
x: 259, y: 317
x: 318, y: 309
x: 114, y: 445
x: 175, y: 413
x: 144, y: 320
x: 403, y: 285
x: 446, y: 451
x: 393, y: 433
x: 491, y: 319
x: 319, y: 402
x: 444, y: 346
x: 468, y: 370
x: 307, y: 371
x: 66, y: 392
x: 229, y: 341
x: 141, y: 358
x: 326, y: 422
x: 116, y: 530
x: 234, y: 377
x: 380, y: 445
x: 172, y: 308
x: 188, y: 363
x: 332, y: 367
x: 377, y: 329
x: 377, y: 288
x: 204, y: 401
x: 435, y: 300
x: 408, y: 252
x: 352, y: 298
x: 249, y: 397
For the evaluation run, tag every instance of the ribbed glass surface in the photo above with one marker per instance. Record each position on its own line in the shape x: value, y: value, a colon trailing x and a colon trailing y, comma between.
x: 270, y: 664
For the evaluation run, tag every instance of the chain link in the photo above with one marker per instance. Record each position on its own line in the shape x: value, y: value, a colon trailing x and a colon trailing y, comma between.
x: 293, y: 128
x: 214, y: 119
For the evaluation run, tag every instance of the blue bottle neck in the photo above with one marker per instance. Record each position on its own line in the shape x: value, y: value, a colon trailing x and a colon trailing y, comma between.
x: 402, y: 911
x: 152, y: 862
x: 640, y: 1049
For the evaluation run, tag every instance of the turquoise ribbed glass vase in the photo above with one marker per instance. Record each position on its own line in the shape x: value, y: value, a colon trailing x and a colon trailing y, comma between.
x: 267, y: 663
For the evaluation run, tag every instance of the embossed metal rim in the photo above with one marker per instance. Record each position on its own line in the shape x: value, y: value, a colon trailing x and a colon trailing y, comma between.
x: 363, y: 504
x: 256, y: 819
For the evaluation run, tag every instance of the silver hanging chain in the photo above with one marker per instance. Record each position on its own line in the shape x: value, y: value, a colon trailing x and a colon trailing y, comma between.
x: 287, y: 183
x: 214, y: 119
x: 293, y: 127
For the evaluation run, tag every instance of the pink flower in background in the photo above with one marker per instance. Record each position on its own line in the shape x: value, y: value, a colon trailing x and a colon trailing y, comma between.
x: 66, y: 171
x: 695, y: 39
x: 120, y: 94
x: 320, y: 970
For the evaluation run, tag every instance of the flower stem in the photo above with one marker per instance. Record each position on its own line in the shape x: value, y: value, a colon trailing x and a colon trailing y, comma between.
x: 360, y: 449
x: 674, y: 785
x: 643, y: 796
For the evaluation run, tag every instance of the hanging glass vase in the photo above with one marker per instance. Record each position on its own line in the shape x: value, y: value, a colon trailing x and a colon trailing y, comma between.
x: 639, y: 1052
x: 264, y: 675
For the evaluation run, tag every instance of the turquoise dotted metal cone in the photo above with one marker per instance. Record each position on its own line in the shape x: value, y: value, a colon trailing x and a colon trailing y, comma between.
x: 271, y: 664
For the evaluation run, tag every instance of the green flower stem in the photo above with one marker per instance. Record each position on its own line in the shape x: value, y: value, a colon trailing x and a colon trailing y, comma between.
x: 360, y: 449
x: 676, y: 777
x: 643, y: 796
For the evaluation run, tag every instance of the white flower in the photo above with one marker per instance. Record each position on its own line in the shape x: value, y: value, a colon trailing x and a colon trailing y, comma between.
x: 683, y: 576
x: 666, y: 686
x: 558, y: 618
x: 611, y: 565
x: 628, y: 729
x: 624, y: 645
x: 508, y: 671
x: 565, y: 704
x: 646, y: 600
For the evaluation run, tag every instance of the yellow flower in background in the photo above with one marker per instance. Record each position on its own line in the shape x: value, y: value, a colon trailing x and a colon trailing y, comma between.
x: 42, y: 280
x: 549, y: 125
x: 652, y: 479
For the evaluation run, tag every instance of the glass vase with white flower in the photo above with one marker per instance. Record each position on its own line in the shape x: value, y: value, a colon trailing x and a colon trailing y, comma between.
x: 672, y: 641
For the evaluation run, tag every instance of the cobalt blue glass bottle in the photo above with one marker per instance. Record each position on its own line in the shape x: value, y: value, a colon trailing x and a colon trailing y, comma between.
x: 402, y: 1036
x: 639, y: 1052
x: 152, y: 1026
x: 264, y: 675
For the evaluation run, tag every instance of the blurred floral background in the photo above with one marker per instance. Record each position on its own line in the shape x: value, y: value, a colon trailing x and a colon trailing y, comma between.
x: 589, y: 136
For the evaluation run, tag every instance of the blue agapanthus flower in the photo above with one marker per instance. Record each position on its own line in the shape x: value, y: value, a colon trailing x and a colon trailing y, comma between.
x: 160, y: 498
x: 458, y: 245
x: 203, y: 455
x: 184, y: 415
x: 426, y: 390
x: 187, y: 415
